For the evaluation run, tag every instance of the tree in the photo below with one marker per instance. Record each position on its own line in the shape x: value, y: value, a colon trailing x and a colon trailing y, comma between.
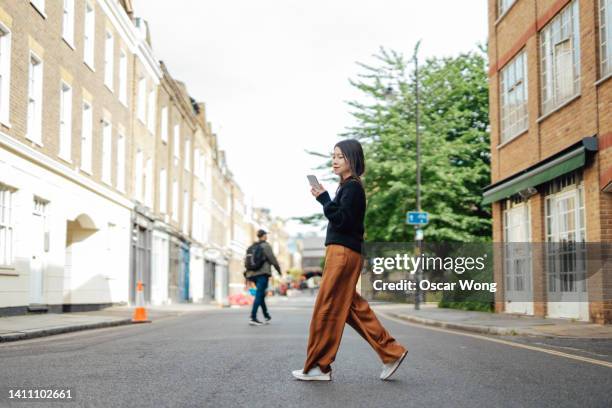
x: 455, y: 158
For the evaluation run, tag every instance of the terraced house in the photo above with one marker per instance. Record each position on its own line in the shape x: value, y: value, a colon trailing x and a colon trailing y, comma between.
x: 109, y: 170
x: 551, y: 156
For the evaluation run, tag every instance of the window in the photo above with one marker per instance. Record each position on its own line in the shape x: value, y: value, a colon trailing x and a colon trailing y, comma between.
x: 517, y: 254
x: 187, y: 154
x: 7, y: 199
x: 177, y: 143
x: 90, y: 33
x: 202, y: 171
x: 109, y: 63
x: 196, y: 161
x: 151, y: 114
x: 163, y: 191
x: 560, y: 65
x: 514, y: 117
x: 142, y: 89
x: 605, y: 36
x: 175, y: 197
x: 107, y: 156
x: 164, y: 124
x: 149, y: 183
x: 138, y: 176
x: 121, y: 163
x: 86, y: 138
x: 503, y: 6
x: 123, y: 68
x: 185, y: 211
x: 195, y: 221
x: 5, y: 73
x: 34, y: 126
x: 68, y: 22
x: 565, y: 228
x: 65, y: 131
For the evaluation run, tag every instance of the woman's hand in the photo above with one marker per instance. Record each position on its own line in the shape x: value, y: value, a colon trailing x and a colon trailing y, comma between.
x: 318, y: 190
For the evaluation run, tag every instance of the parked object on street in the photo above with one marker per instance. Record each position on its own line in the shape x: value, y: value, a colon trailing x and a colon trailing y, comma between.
x: 140, y: 313
x: 240, y: 299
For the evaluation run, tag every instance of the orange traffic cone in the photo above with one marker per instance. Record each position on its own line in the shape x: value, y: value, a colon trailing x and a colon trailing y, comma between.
x: 140, y: 313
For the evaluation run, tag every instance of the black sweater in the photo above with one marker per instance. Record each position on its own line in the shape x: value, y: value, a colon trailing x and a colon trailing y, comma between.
x: 345, y: 214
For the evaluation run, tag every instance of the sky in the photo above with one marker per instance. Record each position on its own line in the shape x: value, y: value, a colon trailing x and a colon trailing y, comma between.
x: 274, y: 75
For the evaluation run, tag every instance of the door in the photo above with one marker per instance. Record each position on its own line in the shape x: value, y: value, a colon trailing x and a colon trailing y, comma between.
x: 37, y: 261
x: 209, y: 281
x: 566, y: 263
x: 141, y: 267
x: 518, y: 260
x: 184, y: 274
x: 174, y: 271
x: 159, y: 273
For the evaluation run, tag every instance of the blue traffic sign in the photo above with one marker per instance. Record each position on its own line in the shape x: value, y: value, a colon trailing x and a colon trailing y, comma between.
x: 417, y: 218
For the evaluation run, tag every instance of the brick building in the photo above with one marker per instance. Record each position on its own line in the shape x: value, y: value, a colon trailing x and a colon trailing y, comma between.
x: 551, y: 161
x: 109, y: 171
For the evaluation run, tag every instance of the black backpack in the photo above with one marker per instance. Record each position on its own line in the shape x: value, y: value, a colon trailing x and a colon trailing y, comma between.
x: 255, y: 257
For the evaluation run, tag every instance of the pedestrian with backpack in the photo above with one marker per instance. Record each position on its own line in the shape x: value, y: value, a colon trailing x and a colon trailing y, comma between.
x: 258, y: 264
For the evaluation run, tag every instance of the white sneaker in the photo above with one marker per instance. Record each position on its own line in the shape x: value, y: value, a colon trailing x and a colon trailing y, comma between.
x: 390, y: 368
x: 315, y: 374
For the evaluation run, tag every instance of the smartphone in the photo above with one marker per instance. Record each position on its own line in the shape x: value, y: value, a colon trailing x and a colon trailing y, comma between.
x: 313, y: 180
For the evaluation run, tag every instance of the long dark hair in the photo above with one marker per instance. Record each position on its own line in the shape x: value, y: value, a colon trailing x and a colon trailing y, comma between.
x: 353, y: 153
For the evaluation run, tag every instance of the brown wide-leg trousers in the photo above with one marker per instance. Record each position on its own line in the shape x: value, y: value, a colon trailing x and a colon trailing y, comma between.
x: 337, y: 303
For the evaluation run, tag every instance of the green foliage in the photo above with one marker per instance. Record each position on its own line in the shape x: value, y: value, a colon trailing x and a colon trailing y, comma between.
x: 455, y: 158
x: 466, y: 305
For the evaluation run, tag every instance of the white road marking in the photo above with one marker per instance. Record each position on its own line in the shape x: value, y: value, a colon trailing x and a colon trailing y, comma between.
x: 508, y: 343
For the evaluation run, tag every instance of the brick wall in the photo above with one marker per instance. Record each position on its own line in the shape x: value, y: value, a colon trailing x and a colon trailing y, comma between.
x: 588, y: 114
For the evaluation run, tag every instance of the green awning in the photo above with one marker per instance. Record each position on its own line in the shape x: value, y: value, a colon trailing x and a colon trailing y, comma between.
x: 541, y: 174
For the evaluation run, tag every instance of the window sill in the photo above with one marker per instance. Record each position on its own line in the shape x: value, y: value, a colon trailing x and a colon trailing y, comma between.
x: 69, y: 43
x: 604, y: 79
x: 110, y: 88
x: 558, y: 108
x: 89, y: 65
x: 86, y: 171
x: 123, y: 102
x: 64, y: 159
x: 41, y: 12
x: 5, y: 123
x: 107, y: 182
x: 513, y: 138
x: 8, y: 271
x: 35, y: 142
x: 164, y: 141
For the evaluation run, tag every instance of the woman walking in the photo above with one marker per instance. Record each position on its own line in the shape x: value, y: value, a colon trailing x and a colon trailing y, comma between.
x: 338, y: 302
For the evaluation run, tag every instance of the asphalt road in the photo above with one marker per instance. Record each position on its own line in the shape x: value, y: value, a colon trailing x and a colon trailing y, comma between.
x: 214, y: 359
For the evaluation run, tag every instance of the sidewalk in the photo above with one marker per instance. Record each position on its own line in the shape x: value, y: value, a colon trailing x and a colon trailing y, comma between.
x: 495, y: 323
x: 30, y: 326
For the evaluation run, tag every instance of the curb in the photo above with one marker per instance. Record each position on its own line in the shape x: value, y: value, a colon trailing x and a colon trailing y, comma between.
x: 499, y: 331
x: 16, y: 336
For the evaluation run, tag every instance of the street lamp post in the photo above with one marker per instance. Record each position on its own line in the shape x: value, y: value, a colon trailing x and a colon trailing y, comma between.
x: 418, y: 238
x: 418, y: 232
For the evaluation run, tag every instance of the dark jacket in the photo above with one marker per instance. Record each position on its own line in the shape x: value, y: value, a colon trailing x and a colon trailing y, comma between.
x: 266, y: 268
x: 345, y: 213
